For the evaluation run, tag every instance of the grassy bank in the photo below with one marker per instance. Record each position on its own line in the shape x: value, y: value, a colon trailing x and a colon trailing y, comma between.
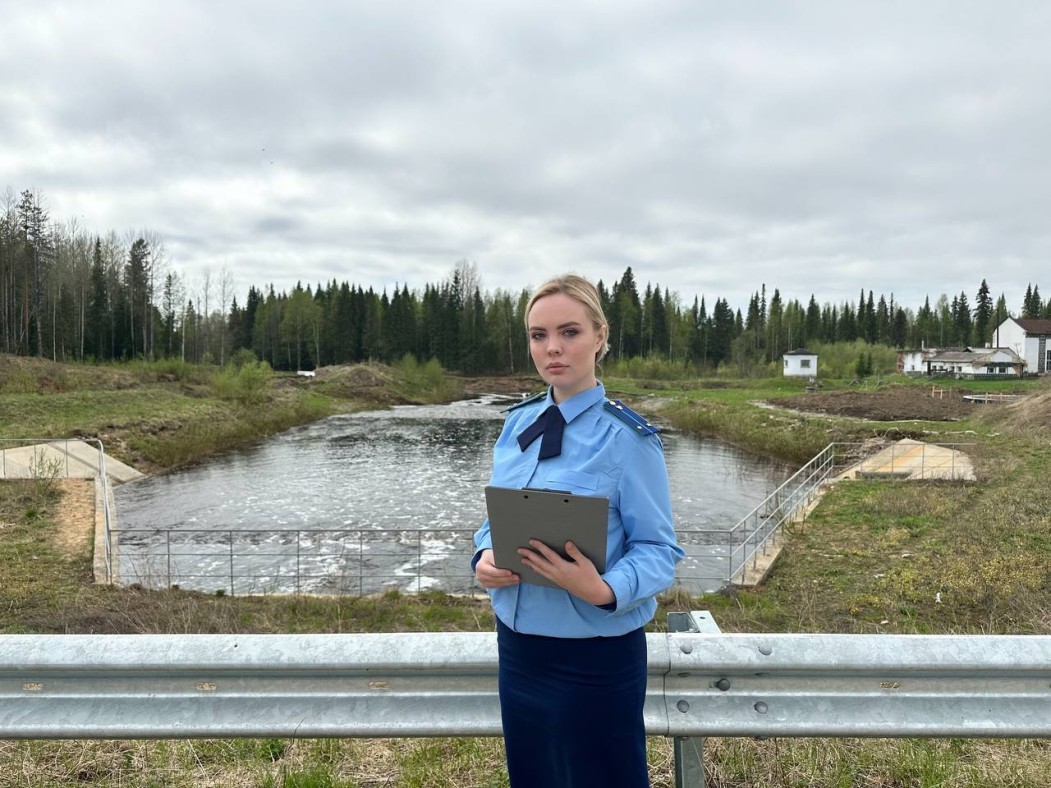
x: 873, y: 557
x: 160, y: 415
x: 895, y: 557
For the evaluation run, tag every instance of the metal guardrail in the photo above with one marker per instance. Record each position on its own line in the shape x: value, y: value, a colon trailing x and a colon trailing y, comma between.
x: 54, y: 458
x: 762, y: 526
x: 736, y: 551
x: 701, y: 683
x: 758, y: 531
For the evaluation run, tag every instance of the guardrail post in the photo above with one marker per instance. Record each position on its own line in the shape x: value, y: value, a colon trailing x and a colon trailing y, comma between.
x: 689, y: 762
x: 689, y: 750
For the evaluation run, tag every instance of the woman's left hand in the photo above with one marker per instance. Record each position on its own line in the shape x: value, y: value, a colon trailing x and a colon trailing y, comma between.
x: 577, y: 575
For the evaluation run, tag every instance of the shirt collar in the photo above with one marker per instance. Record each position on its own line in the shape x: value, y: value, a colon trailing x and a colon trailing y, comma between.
x: 578, y: 403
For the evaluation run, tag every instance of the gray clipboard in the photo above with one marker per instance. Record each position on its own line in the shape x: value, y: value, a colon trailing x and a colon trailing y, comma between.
x: 553, y: 517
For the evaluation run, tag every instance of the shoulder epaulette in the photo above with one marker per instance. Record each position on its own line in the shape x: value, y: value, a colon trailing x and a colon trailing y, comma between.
x: 630, y: 417
x: 528, y: 400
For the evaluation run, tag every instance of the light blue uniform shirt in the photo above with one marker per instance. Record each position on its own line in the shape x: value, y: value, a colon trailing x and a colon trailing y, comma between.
x: 601, y: 455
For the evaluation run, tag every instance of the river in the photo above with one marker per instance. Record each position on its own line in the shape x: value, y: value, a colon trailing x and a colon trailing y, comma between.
x: 377, y: 500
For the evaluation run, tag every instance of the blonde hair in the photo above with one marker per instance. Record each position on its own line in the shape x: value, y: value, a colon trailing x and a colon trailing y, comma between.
x: 579, y: 289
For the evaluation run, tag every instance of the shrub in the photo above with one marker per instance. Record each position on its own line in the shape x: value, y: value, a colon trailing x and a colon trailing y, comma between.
x: 246, y: 384
x: 427, y: 382
x: 241, y: 357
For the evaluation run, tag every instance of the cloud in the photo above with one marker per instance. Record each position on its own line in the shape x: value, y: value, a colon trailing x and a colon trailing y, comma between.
x: 815, y: 147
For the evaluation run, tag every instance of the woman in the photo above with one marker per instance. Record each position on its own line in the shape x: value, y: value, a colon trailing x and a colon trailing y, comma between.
x: 573, y: 658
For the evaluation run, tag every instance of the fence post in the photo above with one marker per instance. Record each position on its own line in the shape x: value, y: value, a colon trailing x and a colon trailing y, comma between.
x: 299, y: 536
x: 755, y: 532
x: 231, y: 536
x: 168, y: 539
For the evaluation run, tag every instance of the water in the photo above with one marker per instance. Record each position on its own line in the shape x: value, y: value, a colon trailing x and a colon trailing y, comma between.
x: 382, y: 499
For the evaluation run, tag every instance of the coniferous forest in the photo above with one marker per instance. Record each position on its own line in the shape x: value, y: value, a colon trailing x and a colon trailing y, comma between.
x: 73, y: 295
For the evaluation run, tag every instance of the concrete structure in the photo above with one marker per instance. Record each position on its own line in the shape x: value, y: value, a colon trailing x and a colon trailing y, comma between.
x: 800, y: 363
x: 1030, y: 338
x: 76, y: 459
x: 982, y: 363
x: 61, y: 459
x: 910, y: 459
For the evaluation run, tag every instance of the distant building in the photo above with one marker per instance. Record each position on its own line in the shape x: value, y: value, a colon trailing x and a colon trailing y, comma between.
x: 914, y: 362
x: 800, y: 363
x: 1030, y: 338
x: 983, y: 363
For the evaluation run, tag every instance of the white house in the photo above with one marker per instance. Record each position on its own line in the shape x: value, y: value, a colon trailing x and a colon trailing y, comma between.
x: 1030, y: 338
x: 914, y: 362
x: 800, y: 363
x: 987, y: 362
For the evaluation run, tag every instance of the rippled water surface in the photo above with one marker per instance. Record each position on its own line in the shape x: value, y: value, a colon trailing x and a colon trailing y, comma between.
x: 410, y: 478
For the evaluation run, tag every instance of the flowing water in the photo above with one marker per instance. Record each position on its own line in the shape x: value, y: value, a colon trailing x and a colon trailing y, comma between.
x: 386, y: 499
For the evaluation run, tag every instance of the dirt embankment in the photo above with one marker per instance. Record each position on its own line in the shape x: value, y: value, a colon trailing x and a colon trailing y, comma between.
x: 1030, y: 413
x: 508, y: 384
x: 893, y: 403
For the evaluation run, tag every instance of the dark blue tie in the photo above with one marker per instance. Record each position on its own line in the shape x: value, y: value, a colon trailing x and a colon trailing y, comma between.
x: 549, y: 424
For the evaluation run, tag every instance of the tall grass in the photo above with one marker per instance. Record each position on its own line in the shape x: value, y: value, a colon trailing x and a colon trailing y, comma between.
x: 651, y: 368
x: 236, y: 425
x: 166, y: 370
x: 790, y: 437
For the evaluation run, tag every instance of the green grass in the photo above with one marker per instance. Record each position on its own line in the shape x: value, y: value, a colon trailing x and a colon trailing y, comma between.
x: 872, y: 557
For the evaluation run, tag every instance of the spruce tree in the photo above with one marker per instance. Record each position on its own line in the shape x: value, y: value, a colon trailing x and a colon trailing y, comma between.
x: 983, y: 315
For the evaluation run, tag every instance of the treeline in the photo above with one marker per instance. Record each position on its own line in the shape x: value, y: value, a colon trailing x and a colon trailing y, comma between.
x: 71, y: 295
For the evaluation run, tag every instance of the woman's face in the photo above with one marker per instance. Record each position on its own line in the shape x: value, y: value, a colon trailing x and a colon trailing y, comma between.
x: 563, y: 342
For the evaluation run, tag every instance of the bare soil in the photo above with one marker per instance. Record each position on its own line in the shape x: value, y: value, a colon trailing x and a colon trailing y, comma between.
x: 893, y: 403
x: 507, y: 384
x: 75, y: 518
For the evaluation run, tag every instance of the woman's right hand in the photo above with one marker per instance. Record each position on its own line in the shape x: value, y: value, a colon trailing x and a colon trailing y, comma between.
x: 489, y: 575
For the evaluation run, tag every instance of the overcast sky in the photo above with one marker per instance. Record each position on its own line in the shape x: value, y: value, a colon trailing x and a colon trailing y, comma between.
x: 817, y: 147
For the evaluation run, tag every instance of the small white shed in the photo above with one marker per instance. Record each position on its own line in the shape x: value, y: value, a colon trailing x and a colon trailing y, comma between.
x: 800, y: 363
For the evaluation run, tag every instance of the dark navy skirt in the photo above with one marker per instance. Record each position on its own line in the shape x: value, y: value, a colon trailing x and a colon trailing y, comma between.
x: 572, y: 710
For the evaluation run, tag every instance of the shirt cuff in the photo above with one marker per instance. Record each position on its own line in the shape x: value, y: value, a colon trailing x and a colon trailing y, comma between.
x: 478, y: 555
x: 610, y: 607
